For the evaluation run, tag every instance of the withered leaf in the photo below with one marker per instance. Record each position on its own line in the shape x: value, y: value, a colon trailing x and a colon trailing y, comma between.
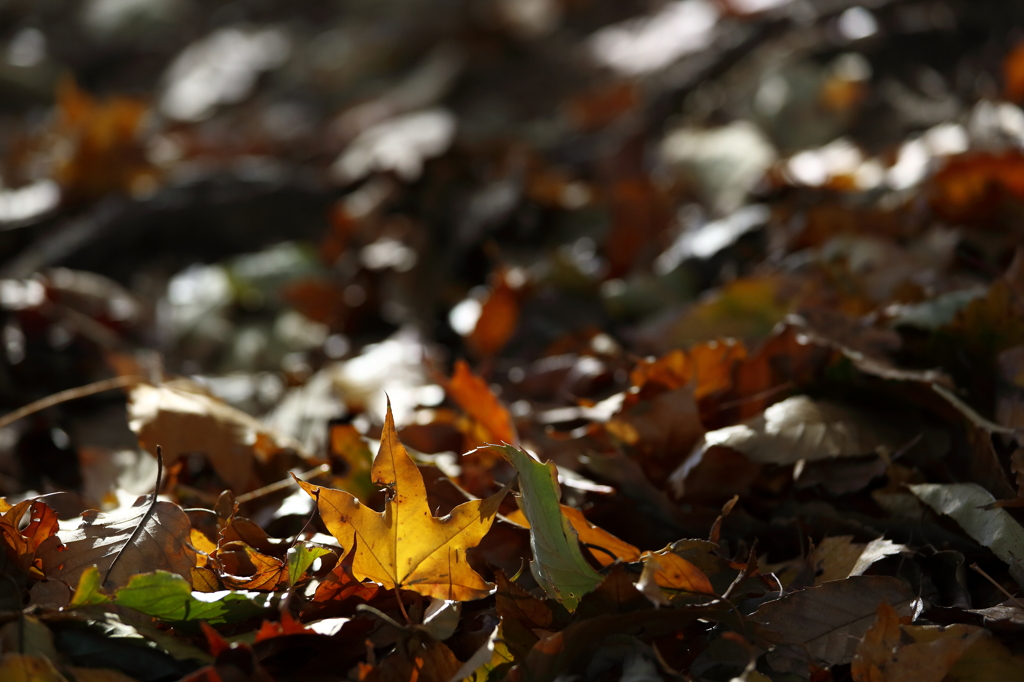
x: 406, y: 546
x: 161, y: 544
x: 828, y: 621
x: 477, y: 400
x: 802, y: 428
x: 182, y: 418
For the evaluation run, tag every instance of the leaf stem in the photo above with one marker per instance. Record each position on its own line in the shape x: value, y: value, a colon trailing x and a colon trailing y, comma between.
x: 145, y: 517
x: 401, y: 606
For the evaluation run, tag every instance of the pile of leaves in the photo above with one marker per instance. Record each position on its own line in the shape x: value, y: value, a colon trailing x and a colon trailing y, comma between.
x: 595, y: 340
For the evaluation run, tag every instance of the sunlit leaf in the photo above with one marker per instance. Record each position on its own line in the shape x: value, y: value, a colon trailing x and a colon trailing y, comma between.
x: 558, y: 564
x: 406, y: 546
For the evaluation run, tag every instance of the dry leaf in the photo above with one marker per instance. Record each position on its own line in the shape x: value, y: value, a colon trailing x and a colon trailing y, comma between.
x: 829, y: 620
x: 161, y: 544
x: 405, y: 546
x: 184, y: 419
x: 801, y: 428
x: 477, y: 400
x: 499, y: 316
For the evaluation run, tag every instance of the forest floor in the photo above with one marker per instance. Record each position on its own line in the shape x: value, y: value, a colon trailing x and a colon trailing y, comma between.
x: 512, y: 340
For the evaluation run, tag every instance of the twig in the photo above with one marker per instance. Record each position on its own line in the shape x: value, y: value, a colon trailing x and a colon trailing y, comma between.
x: 283, y: 484
x: 999, y: 587
x: 70, y: 394
x: 145, y: 517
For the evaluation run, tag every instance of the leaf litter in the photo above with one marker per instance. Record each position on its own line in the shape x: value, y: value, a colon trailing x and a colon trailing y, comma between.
x: 520, y: 341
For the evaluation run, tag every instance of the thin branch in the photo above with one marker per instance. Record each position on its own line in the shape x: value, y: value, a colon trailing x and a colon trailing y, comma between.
x: 70, y: 394
x: 283, y: 484
x: 999, y: 587
x: 145, y: 517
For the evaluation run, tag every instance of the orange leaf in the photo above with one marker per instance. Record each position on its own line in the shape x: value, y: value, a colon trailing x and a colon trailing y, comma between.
x: 475, y: 398
x: 498, y: 319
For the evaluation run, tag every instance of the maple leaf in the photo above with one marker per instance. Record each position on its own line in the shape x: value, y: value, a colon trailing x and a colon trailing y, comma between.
x: 406, y: 546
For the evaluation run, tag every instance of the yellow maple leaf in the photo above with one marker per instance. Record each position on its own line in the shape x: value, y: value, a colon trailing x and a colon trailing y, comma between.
x: 406, y: 546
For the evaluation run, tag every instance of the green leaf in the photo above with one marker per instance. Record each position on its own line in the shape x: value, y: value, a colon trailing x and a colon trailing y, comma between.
x: 558, y: 564
x: 169, y: 597
x: 970, y: 506
x: 88, y: 593
x: 300, y: 558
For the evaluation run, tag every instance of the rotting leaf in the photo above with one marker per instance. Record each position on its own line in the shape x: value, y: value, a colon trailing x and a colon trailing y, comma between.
x: 406, y: 546
x: 558, y: 564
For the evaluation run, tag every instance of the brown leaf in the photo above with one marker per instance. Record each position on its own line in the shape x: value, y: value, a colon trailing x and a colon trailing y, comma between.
x: 828, y: 621
x: 182, y: 418
x: 162, y: 544
x: 883, y: 656
x: 802, y: 428
x: 244, y: 568
x: 661, y: 431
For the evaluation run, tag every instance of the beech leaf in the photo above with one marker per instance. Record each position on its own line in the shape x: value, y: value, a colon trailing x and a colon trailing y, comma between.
x: 406, y: 546
x: 110, y: 542
x: 828, y: 621
x: 183, y: 419
x: 558, y: 564
x: 804, y: 428
x: 970, y: 506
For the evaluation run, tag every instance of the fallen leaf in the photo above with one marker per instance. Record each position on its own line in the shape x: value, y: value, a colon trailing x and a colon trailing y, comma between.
x: 183, y: 419
x: 802, y: 428
x: 709, y: 365
x: 168, y: 597
x: 596, y: 539
x: 143, y: 538
x: 878, y: 645
x: 23, y: 668
x: 300, y: 558
x: 971, y: 506
x: 660, y: 431
x: 746, y: 309
x: 674, y: 574
x: 499, y: 317
x: 477, y: 400
x: 22, y: 545
x: 884, y: 656
x: 244, y: 568
x: 1013, y: 73
x: 828, y: 621
x: 839, y: 557
x: 405, y: 546
x: 558, y: 564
